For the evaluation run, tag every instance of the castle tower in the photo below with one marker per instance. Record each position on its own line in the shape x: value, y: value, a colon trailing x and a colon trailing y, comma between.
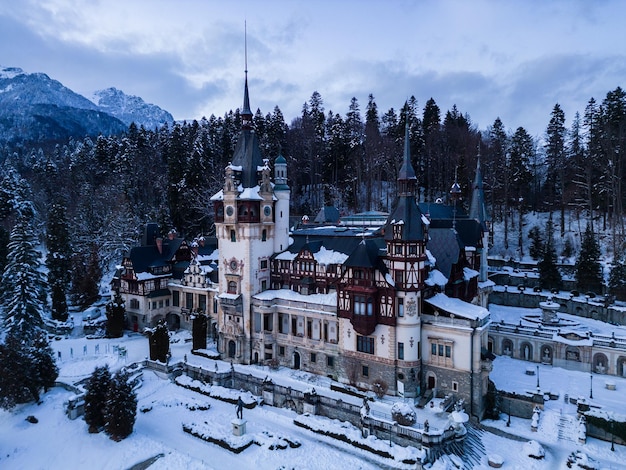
x: 251, y: 223
x: 405, y: 237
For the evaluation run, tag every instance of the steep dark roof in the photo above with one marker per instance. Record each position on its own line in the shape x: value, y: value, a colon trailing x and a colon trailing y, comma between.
x: 407, y: 213
x: 469, y: 231
x: 445, y: 246
x: 327, y: 214
x: 365, y: 255
x: 248, y: 156
x: 145, y: 257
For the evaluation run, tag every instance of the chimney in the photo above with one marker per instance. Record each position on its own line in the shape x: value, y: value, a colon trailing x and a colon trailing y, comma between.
x: 194, y: 249
x: 171, y: 234
x: 159, y: 245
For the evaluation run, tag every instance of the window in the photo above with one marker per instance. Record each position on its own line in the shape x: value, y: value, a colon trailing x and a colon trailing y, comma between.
x: 365, y: 371
x: 433, y: 349
x: 401, y: 351
x: 455, y: 386
x: 441, y: 349
x: 160, y: 304
x: 267, y: 322
x: 214, y: 305
x: 134, y: 304
x: 176, y: 298
x: 167, y: 302
x: 202, y: 302
x: 263, y: 264
x: 398, y: 249
x: 365, y: 344
x: 264, y: 235
x: 189, y: 300
x: 233, y: 236
x: 263, y: 285
x: 448, y: 351
x: 398, y: 276
x: 400, y: 307
x: 313, y: 357
x: 363, y: 305
x: 330, y: 361
x: 232, y: 287
x: 281, y: 350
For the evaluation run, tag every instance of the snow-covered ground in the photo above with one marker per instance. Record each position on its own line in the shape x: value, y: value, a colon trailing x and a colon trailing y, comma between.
x: 58, y: 442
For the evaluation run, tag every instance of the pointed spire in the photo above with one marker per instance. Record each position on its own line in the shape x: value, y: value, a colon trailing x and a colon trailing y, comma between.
x: 478, y: 206
x: 407, y: 180
x: 246, y: 112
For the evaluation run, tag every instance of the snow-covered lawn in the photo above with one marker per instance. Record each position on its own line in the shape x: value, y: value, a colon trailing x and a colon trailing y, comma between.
x: 163, y: 406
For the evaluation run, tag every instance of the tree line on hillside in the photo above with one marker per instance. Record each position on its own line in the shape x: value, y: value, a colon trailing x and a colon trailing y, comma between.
x: 91, y: 197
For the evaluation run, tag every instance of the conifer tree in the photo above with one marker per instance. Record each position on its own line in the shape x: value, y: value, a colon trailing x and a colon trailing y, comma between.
x: 95, y: 398
x: 588, y: 268
x: 58, y: 260
x: 617, y: 279
x: 116, y: 312
x: 16, y: 386
x: 121, y: 407
x: 42, y: 362
x: 23, y: 285
x: 160, y: 343
x: 536, y: 246
x: 549, y: 275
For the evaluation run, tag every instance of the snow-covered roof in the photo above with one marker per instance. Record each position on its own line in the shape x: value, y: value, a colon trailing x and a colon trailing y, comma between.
x: 469, y: 273
x: 146, y: 276
x: 324, y: 256
x: 288, y: 294
x: 436, y: 278
x: 286, y: 256
x: 458, y: 307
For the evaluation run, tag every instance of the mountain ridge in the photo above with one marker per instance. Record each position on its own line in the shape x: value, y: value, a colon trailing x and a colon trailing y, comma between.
x: 35, y: 108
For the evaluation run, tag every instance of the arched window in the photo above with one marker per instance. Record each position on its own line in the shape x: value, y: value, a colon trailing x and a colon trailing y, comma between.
x: 232, y: 287
x: 264, y: 235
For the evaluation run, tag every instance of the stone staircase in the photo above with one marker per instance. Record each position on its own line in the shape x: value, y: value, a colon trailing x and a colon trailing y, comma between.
x: 470, y: 450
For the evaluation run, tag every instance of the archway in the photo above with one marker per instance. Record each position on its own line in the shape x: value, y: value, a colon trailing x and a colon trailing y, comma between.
x: 546, y: 354
x: 232, y: 348
x: 621, y: 366
x: 507, y: 347
x: 526, y: 351
x: 431, y: 382
x: 600, y: 363
x: 296, y: 360
x: 173, y: 321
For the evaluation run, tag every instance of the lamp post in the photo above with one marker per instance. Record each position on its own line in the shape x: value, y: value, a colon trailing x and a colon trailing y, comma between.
x: 537, y: 378
x: 612, y: 440
x: 591, y: 389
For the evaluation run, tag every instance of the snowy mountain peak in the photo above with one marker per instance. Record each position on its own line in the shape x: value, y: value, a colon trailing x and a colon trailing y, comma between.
x: 129, y: 108
x: 10, y: 72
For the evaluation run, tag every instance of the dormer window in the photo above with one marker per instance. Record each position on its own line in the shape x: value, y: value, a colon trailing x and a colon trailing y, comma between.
x: 397, y: 231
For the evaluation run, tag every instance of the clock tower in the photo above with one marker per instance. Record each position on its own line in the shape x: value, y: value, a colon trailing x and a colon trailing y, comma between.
x: 251, y: 223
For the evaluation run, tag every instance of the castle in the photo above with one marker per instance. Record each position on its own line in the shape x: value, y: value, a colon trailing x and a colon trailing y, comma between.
x: 399, y: 306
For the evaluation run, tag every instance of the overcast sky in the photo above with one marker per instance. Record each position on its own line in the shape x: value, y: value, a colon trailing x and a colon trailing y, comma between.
x: 507, y: 59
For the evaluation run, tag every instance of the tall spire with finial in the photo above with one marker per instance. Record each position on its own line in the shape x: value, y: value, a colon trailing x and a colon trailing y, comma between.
x: 246, y: 112
x: 405, y: 221
x: 478, y: 206
x: 407, y: 181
